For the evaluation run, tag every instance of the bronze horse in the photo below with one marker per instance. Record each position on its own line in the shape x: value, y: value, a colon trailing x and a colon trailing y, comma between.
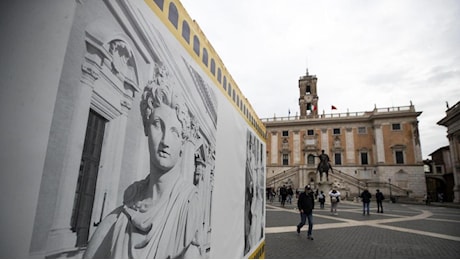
x: 323, y: 167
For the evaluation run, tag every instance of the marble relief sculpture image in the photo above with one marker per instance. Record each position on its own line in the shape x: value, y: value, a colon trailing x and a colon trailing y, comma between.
x: 166, y: 214
x: 254, y: 193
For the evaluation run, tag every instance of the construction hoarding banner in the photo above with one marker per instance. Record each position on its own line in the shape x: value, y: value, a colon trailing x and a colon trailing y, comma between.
x: 152, y: 150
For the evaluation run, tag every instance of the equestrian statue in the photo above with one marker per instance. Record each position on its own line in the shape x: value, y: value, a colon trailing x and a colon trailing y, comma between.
x: 324, y: 165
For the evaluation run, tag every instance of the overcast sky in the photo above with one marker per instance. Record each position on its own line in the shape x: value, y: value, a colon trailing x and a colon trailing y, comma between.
x: 364, y: 53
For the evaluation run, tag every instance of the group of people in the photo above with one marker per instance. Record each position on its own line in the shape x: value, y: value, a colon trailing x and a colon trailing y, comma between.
x: 306, y: 204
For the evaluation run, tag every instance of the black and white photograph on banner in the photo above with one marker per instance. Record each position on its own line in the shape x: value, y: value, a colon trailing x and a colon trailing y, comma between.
x: 167, y: 214
x: 142, y: 135
x: 254, y: 193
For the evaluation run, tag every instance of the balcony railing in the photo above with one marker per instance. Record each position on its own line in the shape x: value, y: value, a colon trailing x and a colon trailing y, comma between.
x: 376, y: 110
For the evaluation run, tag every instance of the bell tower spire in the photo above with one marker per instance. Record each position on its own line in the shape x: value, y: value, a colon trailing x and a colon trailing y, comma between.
x: 308, y: 98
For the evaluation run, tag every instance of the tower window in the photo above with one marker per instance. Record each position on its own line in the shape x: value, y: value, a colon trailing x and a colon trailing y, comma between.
x: 308, y: 91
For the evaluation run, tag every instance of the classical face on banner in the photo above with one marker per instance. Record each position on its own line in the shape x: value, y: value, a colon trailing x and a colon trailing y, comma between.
x: 165, y: 138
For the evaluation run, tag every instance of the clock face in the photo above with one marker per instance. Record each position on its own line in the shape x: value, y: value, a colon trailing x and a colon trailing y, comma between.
x: 308, y: 98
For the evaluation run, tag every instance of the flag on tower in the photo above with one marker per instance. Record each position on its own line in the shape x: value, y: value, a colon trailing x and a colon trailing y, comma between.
x: 333, y: 107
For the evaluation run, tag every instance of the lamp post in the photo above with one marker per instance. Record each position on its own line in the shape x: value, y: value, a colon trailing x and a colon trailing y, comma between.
x: 389, y: 183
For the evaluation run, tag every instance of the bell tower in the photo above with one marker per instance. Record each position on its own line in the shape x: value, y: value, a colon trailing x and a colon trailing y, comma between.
x: 308, y: 99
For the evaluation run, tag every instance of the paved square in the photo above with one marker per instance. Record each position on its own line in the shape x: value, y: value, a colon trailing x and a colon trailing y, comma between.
x: 403, y: 231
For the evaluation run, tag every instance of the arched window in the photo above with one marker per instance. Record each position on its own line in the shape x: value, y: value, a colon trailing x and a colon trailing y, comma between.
x: 186, y: 31
x: 229, y: 90
x: 160, y: 4
x: 225, y: 83
x: 219, y: 75
x: 213, y: 67
x: 173, y: 15
x: 205, y: 57
x: 196, y: 45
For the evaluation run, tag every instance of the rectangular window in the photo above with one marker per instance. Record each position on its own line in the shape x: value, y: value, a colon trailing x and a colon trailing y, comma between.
x: 308, y: 90
x: 396, y: 127
x: 87, y: 178
x: 311, y: 159
x: 336, y: 131
x: 364, y: 159
x: 285, y: 159
x: 310, y: 132
x: 399, y: 157
x: 338, y: 159
x: 362, y: 130
x: 285, y: 133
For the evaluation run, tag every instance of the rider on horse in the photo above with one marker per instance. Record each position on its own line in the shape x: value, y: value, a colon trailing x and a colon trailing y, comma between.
x: 324, y: 165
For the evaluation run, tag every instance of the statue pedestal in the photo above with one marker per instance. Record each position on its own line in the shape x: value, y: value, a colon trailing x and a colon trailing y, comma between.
x: 324, y: 186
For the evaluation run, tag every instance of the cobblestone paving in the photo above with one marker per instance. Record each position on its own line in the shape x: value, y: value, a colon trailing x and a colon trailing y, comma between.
x: 403, y: 231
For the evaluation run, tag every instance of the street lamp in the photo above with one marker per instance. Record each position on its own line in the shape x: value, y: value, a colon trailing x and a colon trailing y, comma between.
x: 389, y: 183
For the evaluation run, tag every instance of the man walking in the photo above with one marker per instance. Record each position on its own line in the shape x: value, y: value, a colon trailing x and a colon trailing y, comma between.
x: 306, y: 204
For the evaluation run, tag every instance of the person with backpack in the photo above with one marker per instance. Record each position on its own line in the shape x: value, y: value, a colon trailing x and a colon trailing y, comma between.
x: 321, y: 199
x: 335, y: 199
x: 379, y: 198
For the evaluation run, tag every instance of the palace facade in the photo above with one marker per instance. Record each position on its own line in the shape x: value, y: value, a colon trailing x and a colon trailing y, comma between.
x: 376, y: 149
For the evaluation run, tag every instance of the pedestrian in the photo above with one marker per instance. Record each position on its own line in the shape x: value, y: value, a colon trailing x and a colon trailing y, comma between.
x: 379, y: 198
x: 427, y: 199
x: 335, y: 199
x: 290, y: 193
x: 366, y: 198
x: 306, y: 204
x: 283, y: 193
x: 321, y: 199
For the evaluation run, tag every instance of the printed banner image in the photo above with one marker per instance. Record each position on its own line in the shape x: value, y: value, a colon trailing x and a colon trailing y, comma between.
x: 149, y: 155
x: 167, y: 214
x: 254, y: 210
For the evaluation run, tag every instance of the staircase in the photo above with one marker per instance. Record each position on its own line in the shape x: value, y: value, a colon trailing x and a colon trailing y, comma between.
x: 354, y: 185
x: 283, y: 176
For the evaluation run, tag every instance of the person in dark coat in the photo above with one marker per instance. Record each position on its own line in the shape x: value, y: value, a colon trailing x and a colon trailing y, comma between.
x: 366, y: 197
x: 306, y: 204
x: 283, y: 193
x: 379, y: 198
